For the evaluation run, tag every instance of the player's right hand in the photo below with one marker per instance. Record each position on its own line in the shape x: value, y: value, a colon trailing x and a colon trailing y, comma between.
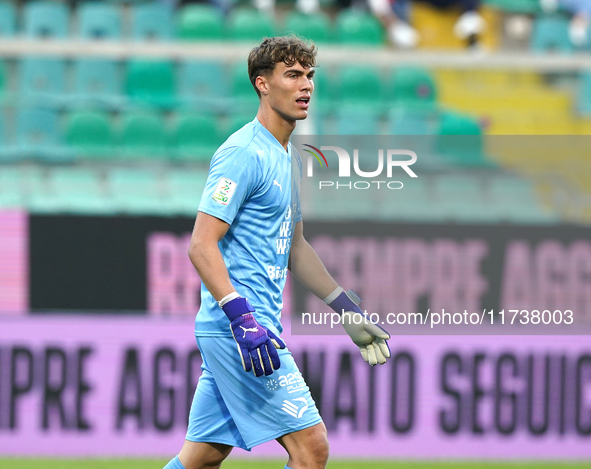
x: 256, y: 344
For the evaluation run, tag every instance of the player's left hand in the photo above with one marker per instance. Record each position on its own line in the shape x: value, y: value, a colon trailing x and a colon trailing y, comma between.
x: 369, y: 337
x: 257, y: 344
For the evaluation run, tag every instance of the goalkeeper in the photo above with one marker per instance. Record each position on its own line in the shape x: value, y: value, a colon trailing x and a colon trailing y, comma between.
x: 249, y: 218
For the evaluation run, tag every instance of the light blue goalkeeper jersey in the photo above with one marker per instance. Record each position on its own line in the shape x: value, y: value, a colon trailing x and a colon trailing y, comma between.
x: 249, y: 186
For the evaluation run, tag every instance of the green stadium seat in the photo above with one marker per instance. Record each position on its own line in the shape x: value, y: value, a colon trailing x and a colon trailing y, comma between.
x: 584, y: 93
x: 250, y: 25
x: 184, y: 188
x: 360, y: 87
x: 524, y: 7
x: 315, y: 27
x: 3, y: 81
x: 7, y: 19
x: 243, y: 94
x: 143, y: 135
x: 462, y: 198
x: 413, y: 203
x: 97, y: 83
x: 90, y: 133
x: 136, y: 191
x: 196, y: 138
x: 322, y: 95
x: 99, y: 21
x: 203, y: 84
x: 78, y: 191
x: 411, y: 86
x: 358, y: 27
x: 352, y: 121
x: 410, y: 121
x: 550, y: 33
x: 236, y: 122
x: 11, y: 187
x: 42, y: 82
x: 460, y: 141
x: 151, y: 83
x: 38, y: 134
x: 151, y: 21
x: 46, y: 19
x: 200, y: 23
x: 515, y: 200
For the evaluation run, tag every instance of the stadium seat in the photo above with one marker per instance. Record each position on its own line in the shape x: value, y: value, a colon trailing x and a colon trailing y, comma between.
x: 151, y: 83
x: 358, y: 27
x: 79, y: 191
x: 524, y: 7
x: 243, y: 94
x: 136, y: 191
x: 90, y: 134
x: 200, y: 22
x: 412, y: 121
x: 196, y: 138
x: 414, y: 203
x: 351, y: 121
x: 42, y: 82
x: 584, y: 93
x: 3, y: 81
x: 143, y: 135
x: 550, y: 33
x: 315, y: 27
x: 203, y: 84
x: 7, y: 19
x: 411, y: 86
x: 46, y: 19
x: 97, y: 83
x: 97, y: 20
x: 515, y: 200
x: 38, y: 134
x: 360, y: 87
x: 323, y: 91
x: 184, y: 190
x: 462, y: 198
x: 151, y: 21
x: 236, y: 122
x: 460, y: 140
x: 250, y: 25
x: 11, y: 187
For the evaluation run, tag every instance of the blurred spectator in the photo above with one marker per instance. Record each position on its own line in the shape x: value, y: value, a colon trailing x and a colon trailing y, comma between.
x: 579, y: 25
x: 394, y: 14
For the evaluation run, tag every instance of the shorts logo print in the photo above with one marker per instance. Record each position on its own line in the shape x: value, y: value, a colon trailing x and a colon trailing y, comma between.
x: 294, y: 409
x: 272, y: 384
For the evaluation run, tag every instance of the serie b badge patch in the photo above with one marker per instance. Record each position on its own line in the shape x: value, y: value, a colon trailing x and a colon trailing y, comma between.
x: 224, y: 191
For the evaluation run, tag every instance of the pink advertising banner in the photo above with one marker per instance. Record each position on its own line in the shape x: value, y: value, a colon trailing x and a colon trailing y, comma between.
x: 14, y: 262
x: 121, y: 386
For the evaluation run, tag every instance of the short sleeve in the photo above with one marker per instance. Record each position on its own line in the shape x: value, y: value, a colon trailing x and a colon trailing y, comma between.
x: 232, y: 178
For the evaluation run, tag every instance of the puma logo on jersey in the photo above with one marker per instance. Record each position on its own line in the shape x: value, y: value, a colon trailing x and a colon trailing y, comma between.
x: 248, y: 329
x: 275, y: 183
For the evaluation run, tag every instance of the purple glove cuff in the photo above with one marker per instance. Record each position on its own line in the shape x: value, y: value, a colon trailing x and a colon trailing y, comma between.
x: 344, y: 303
x: 237, y: 307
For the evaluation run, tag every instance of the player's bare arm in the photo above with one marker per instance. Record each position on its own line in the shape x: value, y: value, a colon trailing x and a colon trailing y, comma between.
x: 205, y: 254
x: 306, y: 266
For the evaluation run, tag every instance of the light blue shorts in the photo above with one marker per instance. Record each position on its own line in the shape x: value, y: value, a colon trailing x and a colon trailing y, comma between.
x: 235, y: 408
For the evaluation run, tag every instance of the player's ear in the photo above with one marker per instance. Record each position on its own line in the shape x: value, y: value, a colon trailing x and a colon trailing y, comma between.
x: 262, y: 84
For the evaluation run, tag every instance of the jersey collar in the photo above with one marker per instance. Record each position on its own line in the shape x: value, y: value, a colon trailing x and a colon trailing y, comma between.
x: 269, y: 136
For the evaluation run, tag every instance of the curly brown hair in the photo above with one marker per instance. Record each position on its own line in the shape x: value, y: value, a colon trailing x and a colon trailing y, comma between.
x: 286, y: 49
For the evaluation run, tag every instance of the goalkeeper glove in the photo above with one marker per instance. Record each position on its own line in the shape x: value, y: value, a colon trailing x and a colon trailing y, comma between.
x: 256, y: 344
x: 369, y: 337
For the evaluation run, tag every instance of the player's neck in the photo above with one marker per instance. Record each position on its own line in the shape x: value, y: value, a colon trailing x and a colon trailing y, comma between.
x: 280, y: 128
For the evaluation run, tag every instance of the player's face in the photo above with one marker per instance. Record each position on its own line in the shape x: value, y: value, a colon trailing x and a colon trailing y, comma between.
x: 290, y: 89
